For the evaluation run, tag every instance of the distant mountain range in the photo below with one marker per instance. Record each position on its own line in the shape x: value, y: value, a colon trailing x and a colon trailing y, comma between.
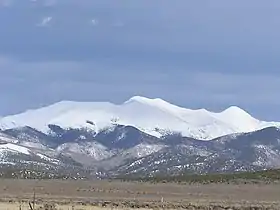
x: 155, y: 117
x: 140, y: 137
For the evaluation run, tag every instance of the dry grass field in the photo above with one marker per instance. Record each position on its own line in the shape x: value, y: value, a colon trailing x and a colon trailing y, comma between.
x: 85, y: 195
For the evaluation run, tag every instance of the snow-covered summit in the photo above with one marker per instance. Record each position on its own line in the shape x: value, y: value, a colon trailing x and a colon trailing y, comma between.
x: 153, y: 116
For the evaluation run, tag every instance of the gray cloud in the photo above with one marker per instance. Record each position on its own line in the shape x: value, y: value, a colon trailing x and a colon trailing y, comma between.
x: 36, y: 84
x: 209, y: 55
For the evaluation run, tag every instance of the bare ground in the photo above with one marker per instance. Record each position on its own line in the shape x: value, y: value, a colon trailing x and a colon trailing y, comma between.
x: 87, y: 195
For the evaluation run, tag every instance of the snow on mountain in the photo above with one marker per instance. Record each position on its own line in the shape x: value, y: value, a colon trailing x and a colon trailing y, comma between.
x: 14, y: 148
x: 152, y: 116
x: 93, y: 150
x: 44, y: 157
x: 6, y: 138
x: 143, y: 150
x: 267, y: 156
x: 33, y: 145
x: 21, y: 156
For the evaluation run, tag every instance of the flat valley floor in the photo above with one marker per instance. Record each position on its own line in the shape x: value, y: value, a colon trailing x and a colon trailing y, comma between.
x: 86, y: 195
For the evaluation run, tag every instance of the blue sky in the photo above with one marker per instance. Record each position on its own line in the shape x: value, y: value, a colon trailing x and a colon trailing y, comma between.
x: 212, y: 54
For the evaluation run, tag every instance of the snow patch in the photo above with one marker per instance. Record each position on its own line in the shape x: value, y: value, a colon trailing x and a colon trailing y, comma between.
x: 6, y: 138
x: 32, y: 145
x: 14, y: 148
x: 267, y: 156
x: 90, y: 149
x: 142, y: 150
x: 48, y: 159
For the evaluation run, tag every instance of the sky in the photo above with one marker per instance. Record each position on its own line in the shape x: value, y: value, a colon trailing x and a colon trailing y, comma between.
x: 209, y: 55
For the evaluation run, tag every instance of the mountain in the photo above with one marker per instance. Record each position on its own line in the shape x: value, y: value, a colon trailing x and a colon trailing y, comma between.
x: 154, y: 117
x: 140, y: 137
x: 252, y: 151
x: 19, y: 161
x: 138, y: 154
x: 27, y: 136
x: 26, y: 155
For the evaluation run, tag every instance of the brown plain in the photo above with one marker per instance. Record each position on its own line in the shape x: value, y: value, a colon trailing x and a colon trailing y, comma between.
x: 87, y: 195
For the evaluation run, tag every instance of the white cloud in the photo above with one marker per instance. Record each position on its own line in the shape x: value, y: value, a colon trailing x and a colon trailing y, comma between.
x: 94, y: 22
x: 45, y: 21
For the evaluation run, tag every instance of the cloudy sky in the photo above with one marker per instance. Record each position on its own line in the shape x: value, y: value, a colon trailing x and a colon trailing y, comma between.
x: 210, y: 54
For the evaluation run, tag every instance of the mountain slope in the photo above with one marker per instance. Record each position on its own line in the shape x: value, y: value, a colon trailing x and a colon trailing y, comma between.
x: 124, y: 137
x: 27, y: 136
x: 85, y: 153
x: 151, y: 116
x: 125, y: 150
x: 252, y: 151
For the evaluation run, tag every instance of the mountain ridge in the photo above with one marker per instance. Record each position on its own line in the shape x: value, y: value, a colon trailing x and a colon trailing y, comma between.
x: 155, y: 117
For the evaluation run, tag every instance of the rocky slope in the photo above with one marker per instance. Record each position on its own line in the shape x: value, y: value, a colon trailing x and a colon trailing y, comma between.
x: 148, y: 155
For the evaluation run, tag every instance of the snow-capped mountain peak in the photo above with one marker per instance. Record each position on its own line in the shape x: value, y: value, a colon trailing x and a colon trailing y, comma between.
x: 146, y: 100
x: 235, y: 110
x: 239, y: 119
x: 152, y: 116
x: 156, y: 102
